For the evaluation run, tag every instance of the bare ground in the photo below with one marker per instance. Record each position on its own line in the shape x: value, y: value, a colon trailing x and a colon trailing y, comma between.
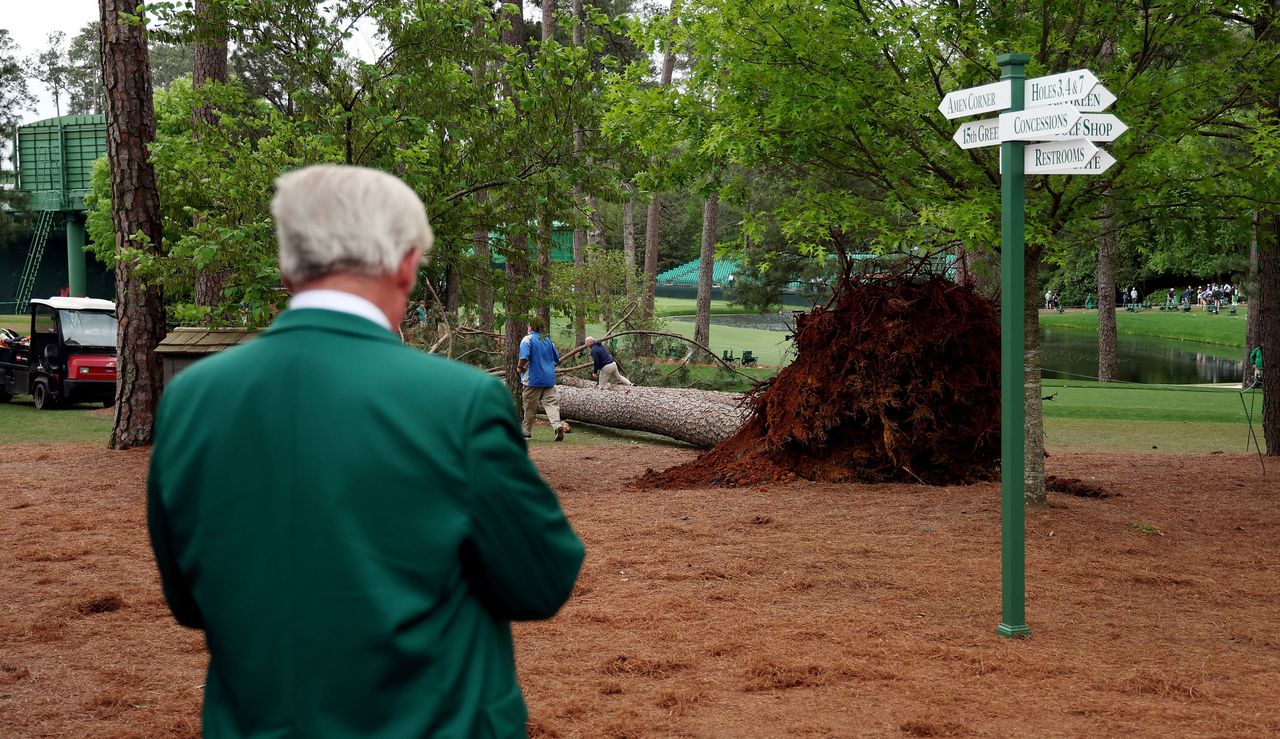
x: 791, y: 610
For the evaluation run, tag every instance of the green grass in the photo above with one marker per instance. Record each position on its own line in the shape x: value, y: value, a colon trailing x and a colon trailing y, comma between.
x: 1106, y: 401
x: 1223, y: 328
x: 21, y: 423
x: 21, y: 324
x: 1113, y: 417
x: 769, y: 347
x: 585, y: 434
x: 667, y: 307
x: 1084, y: 416
x: 1132, y: 437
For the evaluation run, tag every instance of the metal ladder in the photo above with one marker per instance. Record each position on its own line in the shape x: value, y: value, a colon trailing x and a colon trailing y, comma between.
x: 44, y: 223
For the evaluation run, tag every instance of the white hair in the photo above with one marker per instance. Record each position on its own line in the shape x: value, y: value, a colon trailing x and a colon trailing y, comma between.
x: 590, y: 340
x: 332, y: 218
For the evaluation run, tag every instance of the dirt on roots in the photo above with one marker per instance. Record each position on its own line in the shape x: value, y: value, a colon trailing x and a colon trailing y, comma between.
x: 798, y: 609
x: 897, y: 381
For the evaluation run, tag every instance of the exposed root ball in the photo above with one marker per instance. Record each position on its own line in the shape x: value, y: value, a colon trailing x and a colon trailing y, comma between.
x: 899, y: 380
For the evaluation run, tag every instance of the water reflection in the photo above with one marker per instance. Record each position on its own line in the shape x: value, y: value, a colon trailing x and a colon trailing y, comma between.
x: 1071, y: 354
x: 1074, y: 355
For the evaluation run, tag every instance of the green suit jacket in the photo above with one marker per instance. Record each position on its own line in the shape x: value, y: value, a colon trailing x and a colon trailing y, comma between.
x: 353, y: 523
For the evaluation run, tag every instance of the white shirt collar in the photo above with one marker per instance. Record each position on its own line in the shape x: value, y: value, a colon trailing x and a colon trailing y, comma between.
x: 340, y: 302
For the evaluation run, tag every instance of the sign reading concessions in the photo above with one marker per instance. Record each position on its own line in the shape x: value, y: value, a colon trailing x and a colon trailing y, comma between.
x: 1101, y: 162
x: 976, y: 100
x: 973, y: 134
x: 1038, y: 124
x: 1052, y: 157
x: 1059, y: 88
x: 1096, y: 127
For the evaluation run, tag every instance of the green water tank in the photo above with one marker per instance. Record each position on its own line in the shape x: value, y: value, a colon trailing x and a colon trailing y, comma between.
x: 55, y: 169
x: 55, y: 160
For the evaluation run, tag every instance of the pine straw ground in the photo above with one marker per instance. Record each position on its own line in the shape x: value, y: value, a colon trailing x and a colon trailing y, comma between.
x: 803, y: 609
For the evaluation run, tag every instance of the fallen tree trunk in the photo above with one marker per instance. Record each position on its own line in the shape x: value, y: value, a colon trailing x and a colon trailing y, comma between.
x: 703, y: 418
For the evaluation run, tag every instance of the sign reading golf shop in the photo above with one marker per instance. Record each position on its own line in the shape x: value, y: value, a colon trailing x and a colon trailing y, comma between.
x: 1047, y: 126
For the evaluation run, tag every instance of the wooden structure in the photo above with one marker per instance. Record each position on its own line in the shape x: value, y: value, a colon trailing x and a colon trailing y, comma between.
x: 186, y: 345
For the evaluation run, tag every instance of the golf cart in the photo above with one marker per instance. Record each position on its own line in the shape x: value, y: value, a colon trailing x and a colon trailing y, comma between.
x: 69, y: 356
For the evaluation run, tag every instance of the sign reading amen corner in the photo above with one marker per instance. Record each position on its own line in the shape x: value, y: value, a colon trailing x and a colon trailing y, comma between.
x: 976, y: 100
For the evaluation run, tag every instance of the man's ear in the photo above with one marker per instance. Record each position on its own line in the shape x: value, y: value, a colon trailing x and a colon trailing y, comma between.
x: 407, y: 272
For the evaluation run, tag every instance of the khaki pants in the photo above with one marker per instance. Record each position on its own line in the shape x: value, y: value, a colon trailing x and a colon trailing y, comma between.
x: 609, y: 373
x: 550, y: 402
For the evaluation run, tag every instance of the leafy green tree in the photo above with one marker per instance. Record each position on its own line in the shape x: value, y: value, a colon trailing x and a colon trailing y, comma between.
x: 15, y: 99
x: 837, y: 104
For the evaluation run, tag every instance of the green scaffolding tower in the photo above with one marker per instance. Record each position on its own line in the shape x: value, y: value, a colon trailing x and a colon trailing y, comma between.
x: 55, y: 167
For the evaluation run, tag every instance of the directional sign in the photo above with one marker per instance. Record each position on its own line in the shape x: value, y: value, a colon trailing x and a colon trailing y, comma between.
x: 1095, y: 127
x: 976, y: 100
x: 1053, y: 157
x: 973, y: 134
x: 1059, y: 88
x: 1038, y: 124
x: 1099, y: 163
x: 1095, y: 102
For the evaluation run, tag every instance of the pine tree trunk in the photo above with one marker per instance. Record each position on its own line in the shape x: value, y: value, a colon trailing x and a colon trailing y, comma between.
x: 697, y: 417
x: 1108, y: 365
x: 629, y: 230
x: 579, y: 232
x: 543, y: 279
x: 706, y: 265
x: 595, y: 234
x: 484, y: 274
x: 548, y: 20
x: 480, y: 237
x: 451, y: 288
x: 1253, y: 329
x: 964, y: 270
x: 515, y: 300
x: 1267, y: 302
x: 653, y: 225
x: 1033, y: 407
x: 650, y: 285
x: 210, y: 51
x: 1268, y: 307
x: 135, y: 206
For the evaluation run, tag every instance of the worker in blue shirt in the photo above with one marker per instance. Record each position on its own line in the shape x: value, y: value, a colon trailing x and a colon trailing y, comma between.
x: 604, y: 366
x: 537, y: 366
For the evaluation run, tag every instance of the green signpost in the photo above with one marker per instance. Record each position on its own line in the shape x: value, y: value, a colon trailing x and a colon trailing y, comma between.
x: 1013, y: 196
x: 1056, y: 117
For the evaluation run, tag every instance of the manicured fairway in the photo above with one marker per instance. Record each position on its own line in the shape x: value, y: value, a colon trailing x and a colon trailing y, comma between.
x: 21, y: 324
x: 1197, y: 325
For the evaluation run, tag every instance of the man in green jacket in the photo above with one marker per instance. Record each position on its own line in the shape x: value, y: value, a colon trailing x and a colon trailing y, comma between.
x: 353, y: 523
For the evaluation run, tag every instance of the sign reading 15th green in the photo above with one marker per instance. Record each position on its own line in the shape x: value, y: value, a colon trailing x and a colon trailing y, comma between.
x: 1060, y: 108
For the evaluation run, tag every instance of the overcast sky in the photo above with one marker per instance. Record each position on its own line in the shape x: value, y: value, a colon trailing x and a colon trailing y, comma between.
x: 29, y: 22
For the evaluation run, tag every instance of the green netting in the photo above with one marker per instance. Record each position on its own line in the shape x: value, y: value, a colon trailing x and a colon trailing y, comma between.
x: 561, y: 245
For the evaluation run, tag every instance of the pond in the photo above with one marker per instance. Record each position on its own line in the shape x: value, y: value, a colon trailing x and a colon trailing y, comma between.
x: 1069, y: 354
x: 1074, y: 355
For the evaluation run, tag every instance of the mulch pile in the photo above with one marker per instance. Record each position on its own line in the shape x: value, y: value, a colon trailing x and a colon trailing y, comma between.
x: 897, y: 380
